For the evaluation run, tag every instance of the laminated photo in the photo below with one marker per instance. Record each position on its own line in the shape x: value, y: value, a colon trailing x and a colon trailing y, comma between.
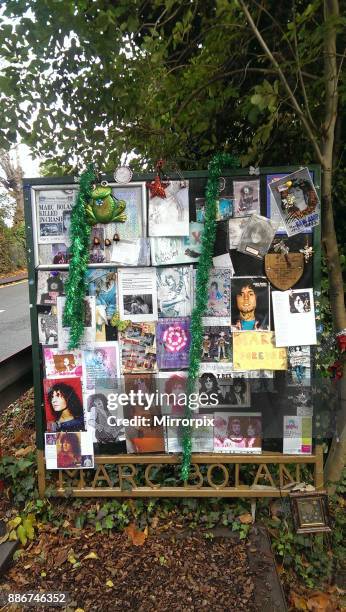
x: 59, y: 254
x: 201, y: 437
x: 137, y: 294
x: 223, y: 261
x: 273, y: 212
x: 178, y: 250
x: 47, y: 322
x: 101, y: 365
x: 257, y: 235
x: 59, y: 364
x: 174, y: 286
x: 299, y: 365
x: 89, y: 334
x: 224, y: 208
x: 246, y: 197
x: 250, y: 303
x: 169, y: 216
x: 219, y: 293
x: 294, y: 317
x: 173, y: 343
x: 138, y: 348
x: 50, y: 285
x: 235, y: 229
x: 238, y: 432
x: 233, y: 391
x: 216, y: 354
x: 297, y: 201
x: 136, y: 224
x: 140, y: 438
x: 172, y: 387
x: 297, y: 435
x: 53, y: 208
x: 131, y: 253
x: 63, y: 401
x: 69, y: 450
x: 97, y: 245
x: 229, y: 391
x: 99, y: 417
x: 102, y: 284
x: 259, y: 381
x: 200, y: 210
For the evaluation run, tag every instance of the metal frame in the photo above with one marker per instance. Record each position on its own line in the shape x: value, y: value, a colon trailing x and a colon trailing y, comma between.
x: 81, y: 490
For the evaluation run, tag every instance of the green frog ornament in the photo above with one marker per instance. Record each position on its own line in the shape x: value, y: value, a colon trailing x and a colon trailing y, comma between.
x: 104, y: 207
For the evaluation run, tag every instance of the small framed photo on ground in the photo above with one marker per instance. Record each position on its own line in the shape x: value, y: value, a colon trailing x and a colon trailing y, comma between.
x: 310, y: 512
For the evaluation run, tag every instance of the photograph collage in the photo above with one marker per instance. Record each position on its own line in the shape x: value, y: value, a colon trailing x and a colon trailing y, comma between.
x: 259, y: 323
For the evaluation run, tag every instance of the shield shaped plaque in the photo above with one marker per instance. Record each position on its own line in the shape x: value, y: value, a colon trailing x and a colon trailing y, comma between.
x: 284, y: 271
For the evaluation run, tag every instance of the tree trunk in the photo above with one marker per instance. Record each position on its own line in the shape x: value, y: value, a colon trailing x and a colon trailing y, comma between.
x: 336, y: 458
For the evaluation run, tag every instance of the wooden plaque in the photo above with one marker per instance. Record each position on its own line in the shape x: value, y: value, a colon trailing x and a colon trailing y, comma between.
x: 284, y: 271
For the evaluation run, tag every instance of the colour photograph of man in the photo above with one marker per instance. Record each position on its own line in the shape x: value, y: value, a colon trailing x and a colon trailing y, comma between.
x: 250, y: 304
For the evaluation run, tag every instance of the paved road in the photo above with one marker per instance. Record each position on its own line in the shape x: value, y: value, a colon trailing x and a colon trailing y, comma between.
x: 14, y: 318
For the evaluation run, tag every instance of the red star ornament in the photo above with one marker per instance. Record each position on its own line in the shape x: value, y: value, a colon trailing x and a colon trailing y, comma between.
x: 157, y: 188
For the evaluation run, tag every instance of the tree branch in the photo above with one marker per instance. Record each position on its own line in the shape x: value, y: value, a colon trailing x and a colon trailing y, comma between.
x: 296, y: 105
x: 302, y: 84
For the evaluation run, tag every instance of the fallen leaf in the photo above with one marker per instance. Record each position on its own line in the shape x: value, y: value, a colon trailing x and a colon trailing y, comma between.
x: 13, y: 523
x: 4, y: 538
x: 109, y: 583
x: 43, y: 574
x: 23, y: 452
x: 79, y: 610
x: 320, y: 602
x: 246, y: 519
x: 91, y: 555
x: 71, y: 558
x: 298, y: 602
x: 136, y: 536
x: 61, y: 556
x: 154, y: 522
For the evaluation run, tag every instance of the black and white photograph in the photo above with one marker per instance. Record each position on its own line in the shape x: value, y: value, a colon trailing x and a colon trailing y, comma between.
x: 96, y: 418
x: 235, y: 229
x: 137, y: 294
x: 250, y: 308
x: 233, y: 391
x: 169, y: 216
x: 300, y: 302
x: 257, y: 235
x: 53, y: 224
x: 297, y: 201
x: 138, y: 304
x: 246, y: 198
x: 229, y: 390
x: 48, y: 327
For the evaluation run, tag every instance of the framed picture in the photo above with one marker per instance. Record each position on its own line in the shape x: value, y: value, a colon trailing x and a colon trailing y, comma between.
x: 310, y: 511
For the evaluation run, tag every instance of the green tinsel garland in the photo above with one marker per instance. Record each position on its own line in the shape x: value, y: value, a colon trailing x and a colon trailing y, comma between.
x: 219, y: 161
x: 75, y: 287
